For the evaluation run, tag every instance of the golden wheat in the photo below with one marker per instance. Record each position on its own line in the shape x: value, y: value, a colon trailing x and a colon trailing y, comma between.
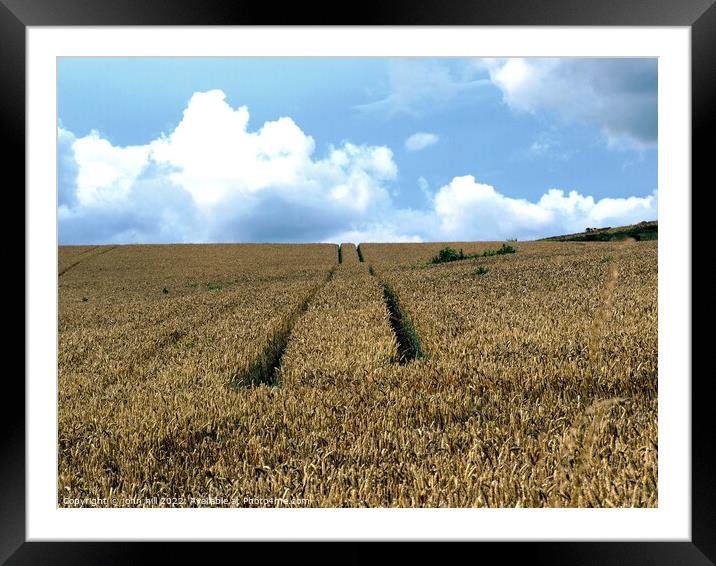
x: 538, y: 386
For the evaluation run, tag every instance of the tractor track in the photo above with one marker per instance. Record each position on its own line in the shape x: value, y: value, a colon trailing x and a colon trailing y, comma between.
x: 264, y: 369
x: 85, y: 256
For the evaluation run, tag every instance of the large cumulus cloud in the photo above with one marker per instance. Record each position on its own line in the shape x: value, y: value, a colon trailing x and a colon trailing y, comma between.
x: 214, y: 179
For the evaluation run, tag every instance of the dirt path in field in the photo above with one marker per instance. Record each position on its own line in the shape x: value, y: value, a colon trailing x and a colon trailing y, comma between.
x: 86, y: 255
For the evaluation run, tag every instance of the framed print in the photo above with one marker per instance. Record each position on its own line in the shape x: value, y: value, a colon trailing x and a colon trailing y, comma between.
x: 395, y: 277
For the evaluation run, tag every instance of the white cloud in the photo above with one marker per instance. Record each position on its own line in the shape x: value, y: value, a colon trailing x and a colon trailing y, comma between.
x: 106, y: 172
x: 420, y: 140
x: 548, y: 144
x: 214, y: 179
x: 375, y: 233
x: 232, y: 182
x: 619, y: 96
x: 419, y: 87
x: 466, y: 209
x: 424, y: 187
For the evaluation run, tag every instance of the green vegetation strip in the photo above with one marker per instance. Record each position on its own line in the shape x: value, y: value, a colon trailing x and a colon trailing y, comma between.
x: 360, y: 254
x: 340, y: 253
x: 264, y: 369
x: 408, y: 341
x: 446, y: 255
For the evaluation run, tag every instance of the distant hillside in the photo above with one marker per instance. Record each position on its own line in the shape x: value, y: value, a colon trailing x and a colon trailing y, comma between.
x: 642, y: 231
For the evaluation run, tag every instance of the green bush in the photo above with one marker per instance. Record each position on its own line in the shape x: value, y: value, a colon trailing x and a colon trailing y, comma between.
x: 447, y: 255
x: 506, y: 249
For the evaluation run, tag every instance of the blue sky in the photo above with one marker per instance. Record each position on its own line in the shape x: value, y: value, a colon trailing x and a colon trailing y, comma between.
x: 354, y: 149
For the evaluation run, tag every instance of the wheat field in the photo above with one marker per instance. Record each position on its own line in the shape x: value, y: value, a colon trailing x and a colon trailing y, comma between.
x: 299, y: 375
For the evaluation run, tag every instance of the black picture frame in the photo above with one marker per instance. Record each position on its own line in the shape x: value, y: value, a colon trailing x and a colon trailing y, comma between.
x: 17, y: 15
